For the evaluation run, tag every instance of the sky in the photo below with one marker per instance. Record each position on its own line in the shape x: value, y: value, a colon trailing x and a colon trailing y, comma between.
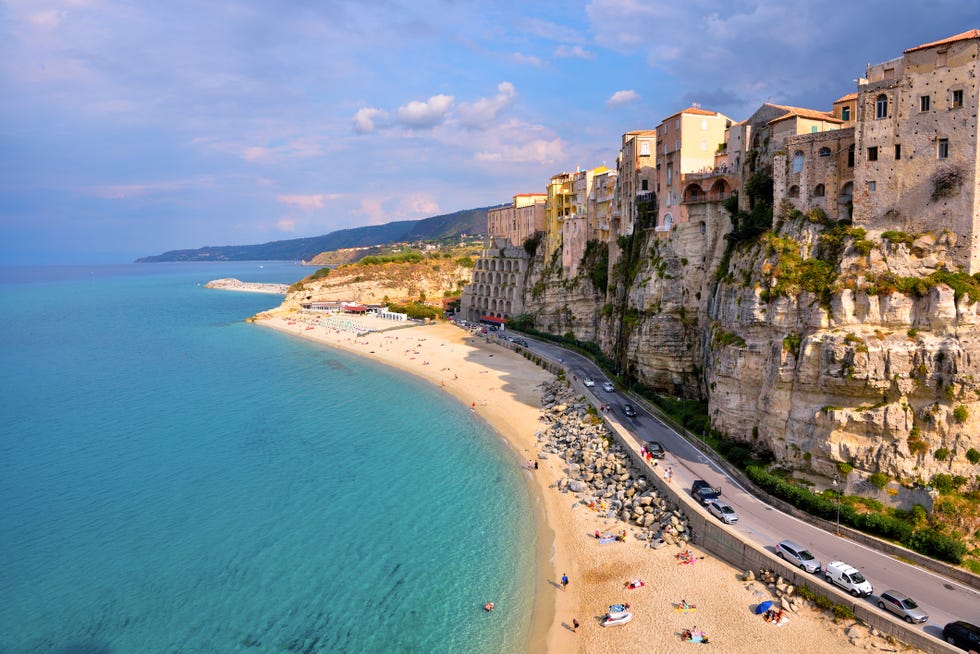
x: 133, y: 127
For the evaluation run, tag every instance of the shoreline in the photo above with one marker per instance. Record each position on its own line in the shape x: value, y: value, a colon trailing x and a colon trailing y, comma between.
x: 507, y: 397
x: 507, y: 391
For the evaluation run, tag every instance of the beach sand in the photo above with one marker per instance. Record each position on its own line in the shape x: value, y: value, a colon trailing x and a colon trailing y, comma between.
x: 504, y: 388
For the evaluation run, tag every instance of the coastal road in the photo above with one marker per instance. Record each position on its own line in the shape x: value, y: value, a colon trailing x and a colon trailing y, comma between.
x: 944, y: 599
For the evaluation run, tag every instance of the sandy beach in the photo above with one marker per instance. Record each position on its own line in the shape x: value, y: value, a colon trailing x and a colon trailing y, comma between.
x: 504, y: 388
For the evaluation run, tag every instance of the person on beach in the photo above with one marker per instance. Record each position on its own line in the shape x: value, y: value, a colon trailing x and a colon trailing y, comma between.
x: 564, y: 581
x: 574, y: 625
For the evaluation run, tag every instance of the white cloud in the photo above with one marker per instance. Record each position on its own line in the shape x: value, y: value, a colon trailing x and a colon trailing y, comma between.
x: 418, y: 204
x: 622, y: 97
x: 573, y: 52
x: 372, y: 209
x: 48, y: 18
x: 286, y: 225
x: 483, y: 113
x: 304, y: 202
x: 366, y: 120
x: 426, y: 114
x: 125, y: 191
x: 530, y: 60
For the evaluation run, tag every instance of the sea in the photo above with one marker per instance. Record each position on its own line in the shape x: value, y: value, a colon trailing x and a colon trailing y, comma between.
x: 174, y: 479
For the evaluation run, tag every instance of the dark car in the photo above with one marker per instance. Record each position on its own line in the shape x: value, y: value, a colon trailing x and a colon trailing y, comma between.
x: 962, y: 634
x: 629, y: 411
x: 656, y: 450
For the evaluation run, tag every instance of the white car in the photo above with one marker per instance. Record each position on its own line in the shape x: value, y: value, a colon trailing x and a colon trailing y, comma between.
x: 589, y: 382
x: 608, y: 387
x: 723, y: 512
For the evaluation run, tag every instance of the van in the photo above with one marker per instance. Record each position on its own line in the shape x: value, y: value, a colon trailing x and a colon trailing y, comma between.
x: 798, y: 556
x: 848, y: 577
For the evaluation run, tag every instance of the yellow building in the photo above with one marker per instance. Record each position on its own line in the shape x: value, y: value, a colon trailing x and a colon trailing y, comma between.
x: 557, y: 208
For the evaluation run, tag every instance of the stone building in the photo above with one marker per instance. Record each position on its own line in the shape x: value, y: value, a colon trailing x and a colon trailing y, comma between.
x: 818, y: 174
x: 496, y: 288
x: 916, y: 145
x: 577, y: 229
x: 636, y: 176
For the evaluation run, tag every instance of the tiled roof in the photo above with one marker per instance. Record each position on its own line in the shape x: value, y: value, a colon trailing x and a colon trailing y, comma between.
x: 971, y: 34
x: 692, y: 110
x: 799, y: 112
x: 531, y: 195
x: 845, y: 98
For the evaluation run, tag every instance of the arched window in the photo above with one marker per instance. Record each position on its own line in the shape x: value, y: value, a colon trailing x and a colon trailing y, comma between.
x: 794, y: 191
x: 798, y: 161
x: 881, y: 106
x: 824, y: 152
x: 756, y: 142
x: 668, y: 221
x: 819, y: 191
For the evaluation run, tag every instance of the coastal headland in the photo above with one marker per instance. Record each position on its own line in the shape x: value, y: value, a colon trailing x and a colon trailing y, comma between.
x: 232, y: 284
x: 506, y: 390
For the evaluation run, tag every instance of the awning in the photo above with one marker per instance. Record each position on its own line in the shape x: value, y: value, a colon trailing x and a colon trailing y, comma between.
x: 494, y: 319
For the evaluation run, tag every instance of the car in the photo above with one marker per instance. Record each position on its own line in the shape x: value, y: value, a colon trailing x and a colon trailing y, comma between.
x: 629, y: 411
x: 723, y: 512
x: 521, y: 342
x: 703, y: 492
x: 589, y: 382
x: 963, y: 635
x: 656, y: 450
x: 798, y: 555
x: 902, y: 605
x: 608, y: 387
x: 847, y: 577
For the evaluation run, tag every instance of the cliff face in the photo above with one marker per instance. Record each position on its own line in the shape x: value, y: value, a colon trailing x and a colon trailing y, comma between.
x: 431, y: 279
x: 818, y: 342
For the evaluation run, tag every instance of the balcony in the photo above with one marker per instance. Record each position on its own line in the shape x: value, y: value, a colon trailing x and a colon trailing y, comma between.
x: 702, y: 198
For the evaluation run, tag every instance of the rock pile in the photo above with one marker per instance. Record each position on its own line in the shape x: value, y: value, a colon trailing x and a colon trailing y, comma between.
x: 600, y: 472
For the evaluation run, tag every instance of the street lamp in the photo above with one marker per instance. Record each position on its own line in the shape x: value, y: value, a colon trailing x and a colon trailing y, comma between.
x: 836, y: 483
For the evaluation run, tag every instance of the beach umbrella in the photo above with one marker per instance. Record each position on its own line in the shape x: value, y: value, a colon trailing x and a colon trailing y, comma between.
x: 763, y: 607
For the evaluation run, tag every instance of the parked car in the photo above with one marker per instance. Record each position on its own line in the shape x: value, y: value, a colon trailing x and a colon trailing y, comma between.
x: 608, y: 387
x: 902, y: 605
x: 723, y: 512
x: 521, y: 342
x: 798, y: 555
x: 589, y: 382
x: 847, y: 577
x: 629, y: 411
x: 963, y: 635
x: 656, y: 450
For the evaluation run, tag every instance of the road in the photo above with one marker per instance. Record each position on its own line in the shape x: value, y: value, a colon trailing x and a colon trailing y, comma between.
x: 944, y: 599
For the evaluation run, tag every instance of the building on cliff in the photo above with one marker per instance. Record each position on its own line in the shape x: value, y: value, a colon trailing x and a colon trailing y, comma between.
x: 496, y: 289
x: 579, y: 227
x: 519, y: 220
x: 916, y: 145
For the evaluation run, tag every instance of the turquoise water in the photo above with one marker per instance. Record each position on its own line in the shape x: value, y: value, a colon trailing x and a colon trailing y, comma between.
x: 173, y: 479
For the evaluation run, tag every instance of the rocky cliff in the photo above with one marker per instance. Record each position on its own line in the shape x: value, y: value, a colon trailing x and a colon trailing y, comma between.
x: 817, y: 341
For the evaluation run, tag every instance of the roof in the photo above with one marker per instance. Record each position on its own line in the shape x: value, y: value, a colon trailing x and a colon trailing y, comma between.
x: 845, y: 98
x: 492, y: 319
x: 531, y: 195
x: 799, y: 112
x: 965, y: 36
x: 692, y: 110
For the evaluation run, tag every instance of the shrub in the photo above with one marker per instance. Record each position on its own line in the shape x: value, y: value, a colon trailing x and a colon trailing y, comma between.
x: 879, y: 480
x: 941, y: 454
x: 973, y: 456
x: 824, y: 602
x: 896, y: 237
x: 946, y: 181
x: 842, y: 612
x: 960, y: 414
x: 465, y: 262
x: 791, y: 343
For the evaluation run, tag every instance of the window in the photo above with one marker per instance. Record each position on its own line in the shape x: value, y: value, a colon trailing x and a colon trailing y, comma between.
x: 943, y: 150
x: 898, y: 151
x: 704, y: 146
x: 873, y: 153
x: 819, y: 191
x: 798, y: 161
x: 881, y: 106
x: 644, y: 185
x: 872, y: 187
x: 850, y: 156
x: 845, y: 113
x: 956, y: 101
x: 704, y: 123
x: 794, y: 191
x: 924, y: 102
x: 824, y: 152
x: 814, y: 129
x: 670, y: 173
x: 644, y: 148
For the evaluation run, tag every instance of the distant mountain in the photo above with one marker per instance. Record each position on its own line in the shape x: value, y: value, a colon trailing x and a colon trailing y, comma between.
x: 450, y: 225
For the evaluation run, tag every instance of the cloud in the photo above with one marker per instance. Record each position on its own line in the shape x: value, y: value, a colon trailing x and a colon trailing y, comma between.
x: 126, y: 191
x: 424, y: 115
x: 304, y: 202
x: 622, y: 97
x: 366, y: 120
x: 573, y: 52
x: 418, y: 204
x: 530, y: 60
x: 286, y: 225
x: 483, y: 113
x: 48, y: 18
x: 372, y: 210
